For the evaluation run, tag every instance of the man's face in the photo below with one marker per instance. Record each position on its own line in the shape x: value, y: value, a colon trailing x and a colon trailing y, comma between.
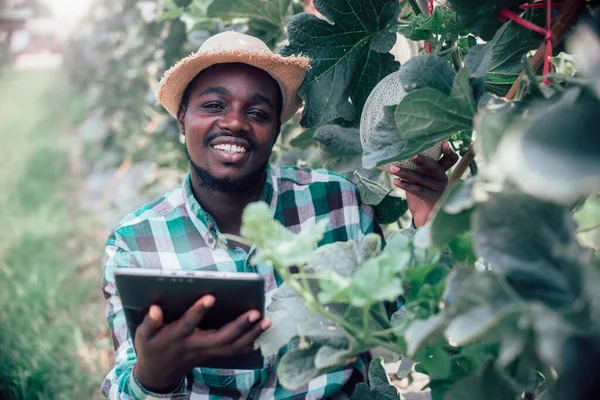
x: 231, y: 123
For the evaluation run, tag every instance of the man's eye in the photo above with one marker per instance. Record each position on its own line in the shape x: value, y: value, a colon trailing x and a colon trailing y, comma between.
x: 258, y: 114
x: 212, y: 106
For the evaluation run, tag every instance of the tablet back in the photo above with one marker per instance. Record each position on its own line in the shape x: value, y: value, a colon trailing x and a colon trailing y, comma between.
x: 176, y: 292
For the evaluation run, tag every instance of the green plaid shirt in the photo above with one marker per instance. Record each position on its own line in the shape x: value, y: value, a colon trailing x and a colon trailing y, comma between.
x: 174, y: 233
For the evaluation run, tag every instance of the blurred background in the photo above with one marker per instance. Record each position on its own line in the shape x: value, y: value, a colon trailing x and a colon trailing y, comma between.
x: 84, y: 144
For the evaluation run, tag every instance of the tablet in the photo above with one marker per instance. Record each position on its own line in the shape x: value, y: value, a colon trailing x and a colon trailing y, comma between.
x: 176, y: 291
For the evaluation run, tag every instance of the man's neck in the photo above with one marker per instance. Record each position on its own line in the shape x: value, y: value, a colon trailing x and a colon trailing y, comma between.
x: 226, y: 207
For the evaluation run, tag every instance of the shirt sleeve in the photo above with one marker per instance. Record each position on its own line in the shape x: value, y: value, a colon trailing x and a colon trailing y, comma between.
x: 120, y: 383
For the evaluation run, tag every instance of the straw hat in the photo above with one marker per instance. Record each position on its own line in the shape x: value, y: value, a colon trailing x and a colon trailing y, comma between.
x: 235, y: 47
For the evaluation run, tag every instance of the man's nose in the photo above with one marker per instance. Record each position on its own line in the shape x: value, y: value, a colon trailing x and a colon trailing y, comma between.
x: 234, y: 121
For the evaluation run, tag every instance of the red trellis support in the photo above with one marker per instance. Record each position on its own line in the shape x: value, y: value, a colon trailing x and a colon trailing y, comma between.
x: 547, y: 32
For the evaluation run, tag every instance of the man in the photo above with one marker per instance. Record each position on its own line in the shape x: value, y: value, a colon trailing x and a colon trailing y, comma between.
x: 230, y: 99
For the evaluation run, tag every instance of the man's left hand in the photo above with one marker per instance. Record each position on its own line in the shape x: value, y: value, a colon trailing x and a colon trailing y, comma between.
x: 424, y: 189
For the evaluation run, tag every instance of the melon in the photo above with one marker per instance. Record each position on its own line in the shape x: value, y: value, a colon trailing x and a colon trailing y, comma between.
x: 388, y: 92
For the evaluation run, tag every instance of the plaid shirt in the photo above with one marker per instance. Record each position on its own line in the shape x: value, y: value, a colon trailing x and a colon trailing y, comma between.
x: 174, y: 233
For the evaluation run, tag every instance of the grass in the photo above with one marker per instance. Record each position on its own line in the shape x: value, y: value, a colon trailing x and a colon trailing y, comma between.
x: 51, y: 329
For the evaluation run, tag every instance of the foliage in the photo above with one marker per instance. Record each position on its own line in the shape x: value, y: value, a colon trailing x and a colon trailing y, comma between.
x: 499, y: 289
x: 337, y: 84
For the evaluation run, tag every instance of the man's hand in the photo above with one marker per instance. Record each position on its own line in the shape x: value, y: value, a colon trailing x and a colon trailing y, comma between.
x: 424, y: 189
x: 166, y: 352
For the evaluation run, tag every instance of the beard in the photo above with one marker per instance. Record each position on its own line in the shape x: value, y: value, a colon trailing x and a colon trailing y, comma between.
x: 226, y: 185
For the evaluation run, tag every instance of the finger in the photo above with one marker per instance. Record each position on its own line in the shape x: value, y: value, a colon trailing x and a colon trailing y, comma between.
x: 247, y: 340
x: 233, y: 330
x: 151, y: 324
x: 420, y: 179
x: 419, y: 191
x: 430, y: 167
x: 450, y: 157
x: 192, y: 317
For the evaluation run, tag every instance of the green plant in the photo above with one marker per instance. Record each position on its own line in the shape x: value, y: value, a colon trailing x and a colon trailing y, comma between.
x: 500, y: 287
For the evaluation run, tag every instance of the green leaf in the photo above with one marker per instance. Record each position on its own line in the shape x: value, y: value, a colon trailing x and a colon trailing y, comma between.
x: 425, y: 27
x: 278, y: 246
x: 349, y: 54
x: 338, y: 141
x: 509, y: 44
x: 551, y: 165
x: 411, y: 30
x: 342, y: 150
x: 370, y: 247
x: 443, y: 21
x: 588, y: 216
x: 297, y: 367
x: 388, y: 205
x: 435, y: 362
x: 477, y: 62
x: 380, y: 387
x: 422, y: 332
x: 486, y: 383
x: 451, y: 217
x: 533, y: 244
x: 495, y: 116
x: 381, y: 272
x: 340, y: 257
x: 304, y: 140
x: 390, y: 209
x: 290, y: 318
x: 481, y: 17
x: 475, y: 323
x: 427, y: 71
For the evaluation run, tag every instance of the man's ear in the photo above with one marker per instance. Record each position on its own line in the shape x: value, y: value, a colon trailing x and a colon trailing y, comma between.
x: 181, y: 119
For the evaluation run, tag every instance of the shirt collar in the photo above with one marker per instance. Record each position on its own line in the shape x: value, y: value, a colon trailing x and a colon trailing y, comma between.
x: 205, y: 223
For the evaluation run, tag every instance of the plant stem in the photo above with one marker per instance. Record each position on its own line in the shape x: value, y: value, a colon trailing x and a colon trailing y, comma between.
x: 415, y: 7
x: 463, y: 164
x: 456, y: 61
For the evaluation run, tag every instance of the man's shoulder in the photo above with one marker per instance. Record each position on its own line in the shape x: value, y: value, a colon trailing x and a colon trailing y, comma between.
x: 160, y: 209
x: 307, y: 176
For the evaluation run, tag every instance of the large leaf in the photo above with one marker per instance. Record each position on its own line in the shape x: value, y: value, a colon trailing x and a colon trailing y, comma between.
x: 533, y: 244
x: 381, y: 272
x: 481, y: 17
x: 509, y: 45
x: 277, y: 245
x: 349, y: 55
x: 291, y: 318
x: 550, y: 164
x: 427, y: 71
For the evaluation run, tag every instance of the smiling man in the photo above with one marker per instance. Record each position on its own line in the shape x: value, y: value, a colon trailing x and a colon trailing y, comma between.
x: 230, y: 99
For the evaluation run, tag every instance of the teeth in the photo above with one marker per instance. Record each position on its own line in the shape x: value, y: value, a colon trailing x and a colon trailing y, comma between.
x: 230, y: 148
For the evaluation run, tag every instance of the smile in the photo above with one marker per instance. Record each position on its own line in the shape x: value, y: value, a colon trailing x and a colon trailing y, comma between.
x: 230, y: 148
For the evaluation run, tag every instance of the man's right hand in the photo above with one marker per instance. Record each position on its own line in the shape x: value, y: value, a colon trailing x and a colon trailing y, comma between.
x: 166, y: 352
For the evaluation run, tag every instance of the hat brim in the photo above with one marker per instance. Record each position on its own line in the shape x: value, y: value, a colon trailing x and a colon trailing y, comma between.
x: 289, y: 71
